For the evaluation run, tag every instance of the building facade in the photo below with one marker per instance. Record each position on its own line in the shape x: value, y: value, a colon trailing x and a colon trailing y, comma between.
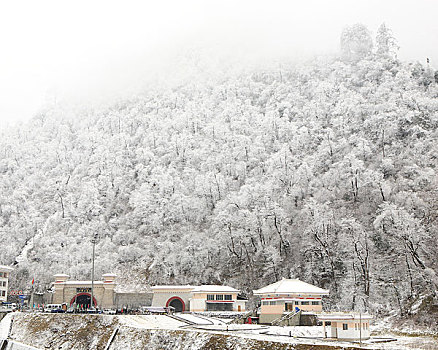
x: 216, y: 298
x: 289, y: 296
x: 198, y: 298
x: 78, y: 293
x: 346, y: 326
x: 4, y: 282
x: 105, y: 296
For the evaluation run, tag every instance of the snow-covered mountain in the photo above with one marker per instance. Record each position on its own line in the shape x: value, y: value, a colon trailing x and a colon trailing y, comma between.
x: 325, y: 171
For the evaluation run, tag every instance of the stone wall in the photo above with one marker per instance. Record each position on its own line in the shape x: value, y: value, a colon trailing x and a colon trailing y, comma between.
x: 132, y: 300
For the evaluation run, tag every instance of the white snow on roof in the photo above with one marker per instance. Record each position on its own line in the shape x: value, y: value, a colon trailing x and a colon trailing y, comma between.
x: 214, y: 288
x: 173, y: 287
x: 82, y: 282
x: 291, y: 286
x: 199, y: 289
x: 344, y: 316
x: 5, y: 268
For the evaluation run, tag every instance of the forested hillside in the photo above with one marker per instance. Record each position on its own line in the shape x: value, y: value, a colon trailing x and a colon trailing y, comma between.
x: 324, y: 171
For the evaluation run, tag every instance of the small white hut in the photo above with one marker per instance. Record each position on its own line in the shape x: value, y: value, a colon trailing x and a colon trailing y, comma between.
x: 346, y: 326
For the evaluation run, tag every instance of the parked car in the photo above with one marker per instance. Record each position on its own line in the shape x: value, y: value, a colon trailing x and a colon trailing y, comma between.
x: 109, y: 312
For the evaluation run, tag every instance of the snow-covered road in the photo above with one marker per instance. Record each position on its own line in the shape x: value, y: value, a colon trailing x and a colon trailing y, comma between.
x: 5, y: 324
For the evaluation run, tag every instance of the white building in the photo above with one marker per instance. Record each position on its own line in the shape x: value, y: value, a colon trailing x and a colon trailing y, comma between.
x: 346, y: 326
x: 4, y: 277
x: 289, y: 295
x: 198, y: 298
x: 216, y: 298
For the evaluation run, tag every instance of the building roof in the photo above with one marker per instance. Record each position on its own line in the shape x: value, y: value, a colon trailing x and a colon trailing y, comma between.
x: 344, y: 316
x: 5, y: 268
x: 188, y: 287
x: 83, y: 282
x: 214, y: 288
x: 291, y: 286
x: 198, y: 289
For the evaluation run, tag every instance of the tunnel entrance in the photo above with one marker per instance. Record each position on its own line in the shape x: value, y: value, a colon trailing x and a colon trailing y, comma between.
x: 176, y: 303
x: 83, y: 301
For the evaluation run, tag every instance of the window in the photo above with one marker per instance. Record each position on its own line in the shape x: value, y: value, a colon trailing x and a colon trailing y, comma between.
x: 345, y: 326
x: 228, y: 297
x: 363, y: 325
x: 219, y: 297
x: 265, y: 302
x: 1, y: 274
x: 304, y: 303
x: 272, y: 302
x: 219, y: 307
x: 315, y: 302
x: 3, y: 293
x: 210, y: 296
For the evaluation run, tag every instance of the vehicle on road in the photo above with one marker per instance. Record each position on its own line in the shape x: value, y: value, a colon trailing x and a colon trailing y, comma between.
x: 53, y: 308
x: 109, y: 312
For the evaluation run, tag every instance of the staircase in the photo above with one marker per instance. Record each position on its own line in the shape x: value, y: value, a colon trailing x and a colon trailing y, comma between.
x: 290, y: 319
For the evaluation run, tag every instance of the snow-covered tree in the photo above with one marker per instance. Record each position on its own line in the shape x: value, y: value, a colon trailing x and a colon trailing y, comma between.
x: 356, y: 42
x: 385, y: 42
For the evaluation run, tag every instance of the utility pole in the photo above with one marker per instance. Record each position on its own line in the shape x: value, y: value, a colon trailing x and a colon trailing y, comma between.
x: 92, y: 270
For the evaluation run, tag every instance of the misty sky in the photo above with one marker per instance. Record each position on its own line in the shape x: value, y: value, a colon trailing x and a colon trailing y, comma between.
x: 95, y: 48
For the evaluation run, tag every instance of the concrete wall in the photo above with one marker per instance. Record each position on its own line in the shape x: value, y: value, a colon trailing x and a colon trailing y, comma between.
x: 268, y: 318
x: 132, y: 300
x: 197, y: 304
x: 308, y: 320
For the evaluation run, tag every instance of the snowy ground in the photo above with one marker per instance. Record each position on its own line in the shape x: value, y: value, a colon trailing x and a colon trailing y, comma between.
x: 201, y: 319
x: 151, y: 322
x: 166, y: 322
x: 207, y: 326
